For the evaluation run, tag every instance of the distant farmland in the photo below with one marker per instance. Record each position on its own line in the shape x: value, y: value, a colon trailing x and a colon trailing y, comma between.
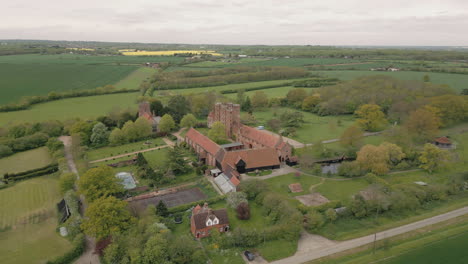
x: 28, y: 75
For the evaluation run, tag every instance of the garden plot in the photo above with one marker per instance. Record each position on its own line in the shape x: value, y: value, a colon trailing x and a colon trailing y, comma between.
x: 313, y: 199
x: 171, y: 199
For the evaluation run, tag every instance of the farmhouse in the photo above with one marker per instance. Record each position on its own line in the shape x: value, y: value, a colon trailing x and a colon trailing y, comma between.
x: 204, y: 219
x: 144, y: 110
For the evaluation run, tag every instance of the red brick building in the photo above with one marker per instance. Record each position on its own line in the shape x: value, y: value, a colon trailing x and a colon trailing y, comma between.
x: 203, y: 146
x: 204, y: 219
x: 229, y: 115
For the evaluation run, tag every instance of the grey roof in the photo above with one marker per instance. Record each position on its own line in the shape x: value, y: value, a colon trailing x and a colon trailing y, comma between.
x: 126, y: 180
x: 230, y: 145
x: 224, y: 183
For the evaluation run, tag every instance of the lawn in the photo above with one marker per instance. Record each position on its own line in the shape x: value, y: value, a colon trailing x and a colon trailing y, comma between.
x: 28, y: 216
x: 127, y: 148
x: 456, y: 81
x: 280, y: 184
x: 315, y: 128
x: 133, y: 80
x: 341, y: 190
x: 270, y: 92
x: 83, y: 107
x: 45, y: 78
x: 26, y: 160
x: 277, y: 249
x: 156, y: 158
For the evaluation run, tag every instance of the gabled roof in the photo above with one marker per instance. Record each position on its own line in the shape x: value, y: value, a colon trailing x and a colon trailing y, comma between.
x: 200, y: 218
x: 443, y: 140
x: 253, y: 158
x: 262, y: 137
x: 203, y: 141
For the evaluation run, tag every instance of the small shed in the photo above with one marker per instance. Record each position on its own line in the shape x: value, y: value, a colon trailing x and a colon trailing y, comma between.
x: 443, y: 142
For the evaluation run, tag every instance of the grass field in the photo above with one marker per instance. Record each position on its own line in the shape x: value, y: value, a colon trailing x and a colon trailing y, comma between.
x: 223, y: 63
x: 28, y: 214
x: 117, y: 150
x: 315, y: 127
x: 225, y: 87
x: 280, y: 184
x: 291, y: 62
x: 271, y: 92
x: 341, y: 190
x: 133, y: 80
x: 26, y: 160
x: 456, y: 81
x: 83, y: 107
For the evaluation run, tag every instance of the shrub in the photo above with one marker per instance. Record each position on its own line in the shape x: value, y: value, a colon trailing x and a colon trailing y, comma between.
x: 313, y: 220
x: 331, y: 214
x: 234, y: 199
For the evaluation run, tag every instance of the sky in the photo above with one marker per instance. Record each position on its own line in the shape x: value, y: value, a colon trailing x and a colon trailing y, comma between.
x: 247, y: 22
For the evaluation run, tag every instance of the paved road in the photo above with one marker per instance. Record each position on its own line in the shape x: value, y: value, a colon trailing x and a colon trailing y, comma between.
x: 312, y: 251
x: 88, y: 257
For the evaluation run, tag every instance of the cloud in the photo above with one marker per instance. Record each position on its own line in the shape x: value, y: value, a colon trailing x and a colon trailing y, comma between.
x: 334, y: 22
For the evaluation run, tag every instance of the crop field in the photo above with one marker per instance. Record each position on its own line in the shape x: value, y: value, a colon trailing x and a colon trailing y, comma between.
x: 168, y: 52
x: 26, y: 160
x: 456, y: 81
x: 133, y: 80
x: 42, y: 79
x: 315, y: 127
x: 28, y: 216
x: 225, y: 87
x: 82, y: 107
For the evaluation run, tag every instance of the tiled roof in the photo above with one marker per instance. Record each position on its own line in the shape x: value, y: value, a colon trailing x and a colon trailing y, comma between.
x: 235, y: 181
x: 443, y: 140
x: 203, y: 141
x: 253, y: 158
x: 263, y: 138
x: 200, y: 218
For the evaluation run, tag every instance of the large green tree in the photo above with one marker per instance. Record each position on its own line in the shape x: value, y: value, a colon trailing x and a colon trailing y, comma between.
x: 100, y: 135
x: 371, y: 117
x: 352, y: 137
x: 177, y: 107
x: 217, y: 132
x: 423, y: 124
x: 296, y: 96
x: 106, y: 216
x: 99, y: 182
x: 259, y: 99
x: 143, y: 128
x: 166, y: 124
x: 117, y: 137
x: 433, y: 158
x: 188, y: 120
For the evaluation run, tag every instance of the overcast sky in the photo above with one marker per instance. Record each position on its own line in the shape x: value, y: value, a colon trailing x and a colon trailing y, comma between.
x: 325, y: 22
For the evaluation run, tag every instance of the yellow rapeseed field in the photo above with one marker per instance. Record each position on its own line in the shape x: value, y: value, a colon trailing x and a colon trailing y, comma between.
x: 168, y: 52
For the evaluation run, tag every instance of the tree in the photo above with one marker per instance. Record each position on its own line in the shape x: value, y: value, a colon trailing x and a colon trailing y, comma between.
x: 243, y: 211
x: 188, y: 120
x: 143, y: 128
x: 452, y: 108
x: 373, y: 158
x: 331, y: 214
x: 53, y: 144
x: 106, y: 216
x: 464, y: 91
x: 274, y: 124
x: 117, y: 137
x: 314, y: 220
x: 130, y: 131
x: 426, y: 78
x: 99, y: 182
x: 157, y: 107
x: 310, y: 102
x: 177, y: 107
x: 166, y: 124
x: 296, y: 96
x: 371, y: 117
x: 141, y: 160
x: 83, y: 129
x: 176, y: 161
x: 259, y: 99
x: 233, y: 199
x: 247, y: 105
x: 240, y: 97
x: 5, y: 151
x: 66, y: 182
x: 100, y: 135
x: 217, y: 132
x: 292, y: 119
x: 352, y: 137
x: 423, y: 124
x: 161, y: 209
x: 433, y: 158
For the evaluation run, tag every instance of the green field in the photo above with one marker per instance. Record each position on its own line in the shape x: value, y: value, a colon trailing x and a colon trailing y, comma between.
x: 291, y: 62
x: 280, y: 184
x: 42, y: 79
x: 456, y: 81
x: 29, y: 216
x: 26, y: 160
x: 83, y: 107
x: 225, y: 87
x: 315, y: 127
x: 270, y: 92
x: 133, y: 80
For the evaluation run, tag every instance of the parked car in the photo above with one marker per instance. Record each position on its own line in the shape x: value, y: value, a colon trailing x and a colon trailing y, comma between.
x: 249, y: 255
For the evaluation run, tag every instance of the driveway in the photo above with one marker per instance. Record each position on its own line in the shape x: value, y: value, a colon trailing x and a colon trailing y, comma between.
x: 314, y: 247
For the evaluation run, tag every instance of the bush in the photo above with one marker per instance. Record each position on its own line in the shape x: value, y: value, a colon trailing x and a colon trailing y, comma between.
x: 5, y: 151
x: 350, y: 169
x: 67, y: 181
x: 32, y: 173
x: 243, y: 211
x: 313, y: 220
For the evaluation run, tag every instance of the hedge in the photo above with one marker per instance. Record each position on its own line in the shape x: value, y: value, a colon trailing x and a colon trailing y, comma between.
x: 79, y: 245
x: 185, y: 207
x: 51, y: 168
x: 231, y: 91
